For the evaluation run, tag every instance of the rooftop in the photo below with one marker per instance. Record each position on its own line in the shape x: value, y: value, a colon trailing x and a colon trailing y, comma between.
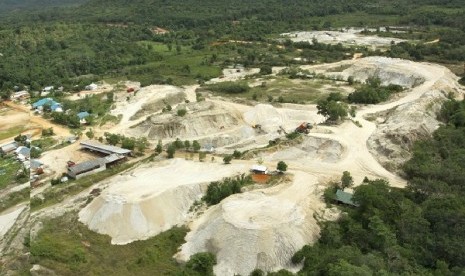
x: 87, y: 166
x: 345, y: 198
x: 107, y: 149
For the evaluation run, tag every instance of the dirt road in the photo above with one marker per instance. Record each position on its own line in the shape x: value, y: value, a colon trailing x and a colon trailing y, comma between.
x: 43, y: 123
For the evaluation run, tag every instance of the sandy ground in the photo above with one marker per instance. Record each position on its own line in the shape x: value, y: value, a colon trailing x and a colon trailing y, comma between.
x: 347, y: 37
x: 266, y: 226
x: 102, y: 88
x: 55, y: 160
x: 148, y: 200
x: 8, y: 218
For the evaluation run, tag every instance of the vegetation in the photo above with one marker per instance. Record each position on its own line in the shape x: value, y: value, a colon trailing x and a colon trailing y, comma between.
x: 332, y: 108
x: 346, y: 180
x: 9, y: 169
x: 229, y: 87
x: 282, y: 166
x: 227, y: 159
x: 171, y: 150
x: 218, y: 191
x: 13, y: 199
x: 418, y: 229
x: 71, y: 248
x: 372, y: 92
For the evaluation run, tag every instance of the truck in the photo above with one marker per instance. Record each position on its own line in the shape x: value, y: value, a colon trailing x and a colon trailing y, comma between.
x: 304, y: 128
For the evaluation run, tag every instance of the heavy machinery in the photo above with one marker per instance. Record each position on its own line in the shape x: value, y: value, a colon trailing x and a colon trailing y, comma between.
x: 304, y: 128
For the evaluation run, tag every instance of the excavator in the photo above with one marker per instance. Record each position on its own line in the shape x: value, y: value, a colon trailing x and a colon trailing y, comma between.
x: 304, y: 128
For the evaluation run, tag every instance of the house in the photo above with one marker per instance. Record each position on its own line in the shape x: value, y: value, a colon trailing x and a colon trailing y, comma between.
x: 345, y: 198
x: 54, y: 106
x: 85, y: 168
x: 91, y: 86
x: 82, y: 116
x: 36, y: 164
x: 23, y: 153
x: 259, y: 169
x: 77, y: 171
x: 8, y: 147
x: 105, y: 149
x: 20, y: 95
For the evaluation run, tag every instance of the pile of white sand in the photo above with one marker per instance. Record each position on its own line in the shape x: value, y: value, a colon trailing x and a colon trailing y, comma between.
x: 148, y: 200
x: 348, y: 37
x: 258, y: 229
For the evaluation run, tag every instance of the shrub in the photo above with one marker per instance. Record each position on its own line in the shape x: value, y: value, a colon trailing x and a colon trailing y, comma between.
x: 227, y: 159
x: 202, y: 263
x: 230, y: 87
x: 181, y: 112
x: 218, y: 191
x: 171, y: 150
x: 265, y: 70
x: 282, y: 166
x: 237, y: 154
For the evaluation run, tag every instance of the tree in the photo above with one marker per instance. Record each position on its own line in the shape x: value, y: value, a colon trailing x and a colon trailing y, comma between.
x: 196, y: 145
x: 178, y: 143
x: 171, y: 150
x: 332, y: 110
x: 346, y: 180
x: 282, y: 166
x: 187, y: 144
x: 128, y: 143
x: 90, y: 134
x: 159, y: 147
x: 141, y: 144
x: 227, y: 159
x: 236, y: 154
x: 265, y: 70
x: 181, y: 112
x: 202, y: 263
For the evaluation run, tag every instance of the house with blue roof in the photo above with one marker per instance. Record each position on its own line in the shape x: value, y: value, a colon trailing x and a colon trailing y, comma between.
x: 82, y: 116
x: 54, y: 106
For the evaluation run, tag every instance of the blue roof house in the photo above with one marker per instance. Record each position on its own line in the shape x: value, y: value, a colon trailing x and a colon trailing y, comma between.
x: 83, y: 115
x: 54, y: 106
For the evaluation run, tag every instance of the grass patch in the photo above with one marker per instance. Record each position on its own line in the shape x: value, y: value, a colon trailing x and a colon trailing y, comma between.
x: 12, y: 132
x: 8, y: 169
x: 15, y: 198
x: 70, y: 248
x: 284, y: 90
x: 107, y: 118
x: 45, y: 143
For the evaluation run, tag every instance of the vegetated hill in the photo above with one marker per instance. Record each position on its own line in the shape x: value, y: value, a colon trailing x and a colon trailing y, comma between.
x: 19, y: 5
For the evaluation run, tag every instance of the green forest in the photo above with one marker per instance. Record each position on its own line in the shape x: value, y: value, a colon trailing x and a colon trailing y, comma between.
x: 67, y: 45
x: 419, y: 230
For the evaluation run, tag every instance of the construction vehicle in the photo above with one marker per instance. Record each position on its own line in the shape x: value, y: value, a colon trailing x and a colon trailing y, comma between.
x: 304, y: 128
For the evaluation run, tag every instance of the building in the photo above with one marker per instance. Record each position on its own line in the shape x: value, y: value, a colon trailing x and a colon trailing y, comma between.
x: 82, y: 117
x: 54, y: 106
x: 105, y: 149
x: 20, y: 95
x: 8, y: 147
x: 91, y: 86
x: 23, y: 153
x: 85, y: 168
x: 345, y: 198
x: 259, y: 169
x: 93, y: 166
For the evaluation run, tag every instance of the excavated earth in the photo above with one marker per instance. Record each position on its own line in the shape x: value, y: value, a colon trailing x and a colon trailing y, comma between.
x: 257, y: 229
x: 148, y: 200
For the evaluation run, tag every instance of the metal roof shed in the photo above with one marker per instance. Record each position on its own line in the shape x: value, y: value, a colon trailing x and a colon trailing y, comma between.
x: 345, y: 198
x: 106, y: 149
